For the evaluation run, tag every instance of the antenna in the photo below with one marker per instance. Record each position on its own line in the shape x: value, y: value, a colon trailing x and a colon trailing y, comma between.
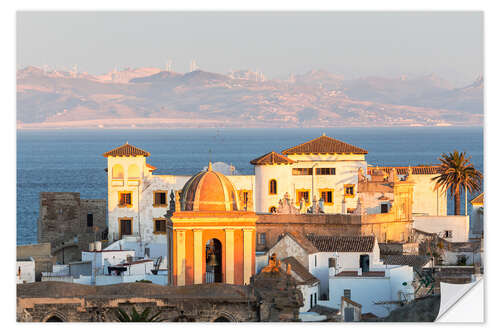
x: 168, y: 65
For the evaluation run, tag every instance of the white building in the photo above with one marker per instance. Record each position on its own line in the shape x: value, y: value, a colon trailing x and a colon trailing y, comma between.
x: 307, y: 283
x: 323, y: 170
x: 379, y: 290
x: 452, y: 228
x: 25, y: 270
x: 109, y: 266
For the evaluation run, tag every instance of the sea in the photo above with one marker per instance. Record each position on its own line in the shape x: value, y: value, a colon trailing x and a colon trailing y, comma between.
x: 71, y: 160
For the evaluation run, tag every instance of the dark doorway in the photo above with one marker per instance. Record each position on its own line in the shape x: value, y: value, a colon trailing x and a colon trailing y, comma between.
x: 54, y: 319
x: 125, y: 227
x: 364, y: 262
x: 222, y: 320
x: 213, y: 261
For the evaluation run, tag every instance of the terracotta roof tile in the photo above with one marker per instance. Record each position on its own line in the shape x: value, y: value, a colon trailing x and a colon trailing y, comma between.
x: 126, y: 150
x: 342, y: 243
x: 272, y: 158
x: 151, y: 167
x: 410, y: 260
x: 324, y: 145
x: 478, y: 200
x: 300, y: 270
x: 416, y: 170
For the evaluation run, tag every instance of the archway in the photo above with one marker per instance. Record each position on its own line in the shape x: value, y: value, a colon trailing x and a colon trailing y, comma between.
x: 222, y: 319
x: 213, y: 261
x: 53, y: 318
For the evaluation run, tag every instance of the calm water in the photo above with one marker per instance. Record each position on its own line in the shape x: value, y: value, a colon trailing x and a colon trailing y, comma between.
x: 71, y: 160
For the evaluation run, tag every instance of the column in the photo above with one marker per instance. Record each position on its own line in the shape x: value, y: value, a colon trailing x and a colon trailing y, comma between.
x: 181, y: 257
x: 229, y: 255
x: 198, y: 256
x: 247, y: 254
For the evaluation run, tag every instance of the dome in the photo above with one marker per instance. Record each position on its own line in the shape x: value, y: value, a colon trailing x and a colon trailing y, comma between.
x: 209, y: 191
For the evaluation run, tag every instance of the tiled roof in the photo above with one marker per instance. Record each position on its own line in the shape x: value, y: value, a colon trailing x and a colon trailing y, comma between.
x: 272, y: 158
x: 150, y: 167
x: 364, y: 274
x: 303, y: 242
x: 478, y: 200
x: 299, y: 269
x: 126, y: 150
x: 416, y: 170
x: 410, y: 260
x: 342, y: 243
x: 324, y: 145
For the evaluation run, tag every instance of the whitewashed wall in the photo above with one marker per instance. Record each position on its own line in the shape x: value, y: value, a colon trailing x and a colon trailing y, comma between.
x: 27, y: 271
x: 458, y: 224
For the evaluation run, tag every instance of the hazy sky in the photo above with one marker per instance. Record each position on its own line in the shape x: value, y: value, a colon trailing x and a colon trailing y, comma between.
x: 354, y: 44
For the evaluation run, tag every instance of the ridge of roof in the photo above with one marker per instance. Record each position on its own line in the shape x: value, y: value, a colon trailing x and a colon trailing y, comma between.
x: 126, y: 150
x: 324, y: 145
x: 272, y: 158
x: 342, y: 243
x: 300, y: 270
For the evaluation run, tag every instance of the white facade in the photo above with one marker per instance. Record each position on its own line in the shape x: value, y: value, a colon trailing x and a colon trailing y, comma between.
x: 346, y: 173
x: 395, y: 285
x: 426, y: 200
x: 310, y: 293
x: 25, y: 271
x: 453, y: 228
x: 318, y: 264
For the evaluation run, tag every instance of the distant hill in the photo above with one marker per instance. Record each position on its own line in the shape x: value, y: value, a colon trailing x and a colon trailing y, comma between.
x: 151, y: 97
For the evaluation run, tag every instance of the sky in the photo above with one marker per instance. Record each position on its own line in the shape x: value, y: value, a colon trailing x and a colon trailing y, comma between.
x: 353, y: 44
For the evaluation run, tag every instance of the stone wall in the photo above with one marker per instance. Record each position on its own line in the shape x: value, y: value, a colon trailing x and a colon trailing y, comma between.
x: 62, y: 222
x: 275, y: 299
x: 383, y: 226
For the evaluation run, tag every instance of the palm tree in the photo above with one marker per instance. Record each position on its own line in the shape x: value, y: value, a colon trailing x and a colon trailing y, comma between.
x: 458, y: 175
x: 135, y: 316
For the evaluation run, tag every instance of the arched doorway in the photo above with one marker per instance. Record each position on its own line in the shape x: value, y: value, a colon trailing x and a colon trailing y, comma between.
x: 222, y: 319
x: 213, y: 261
x: 54, y: 319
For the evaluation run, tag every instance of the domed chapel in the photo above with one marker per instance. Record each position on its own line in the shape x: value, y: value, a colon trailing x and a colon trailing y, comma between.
x: 211, y: 239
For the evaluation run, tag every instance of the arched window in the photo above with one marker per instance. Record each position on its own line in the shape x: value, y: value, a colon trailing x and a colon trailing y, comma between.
x: 272, y: 209
x: 273, y: 186
x: 117, y: 171
x: 133, y: 171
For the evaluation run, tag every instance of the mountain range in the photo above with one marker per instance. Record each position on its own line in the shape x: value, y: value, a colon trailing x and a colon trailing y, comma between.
x: 152, y: 97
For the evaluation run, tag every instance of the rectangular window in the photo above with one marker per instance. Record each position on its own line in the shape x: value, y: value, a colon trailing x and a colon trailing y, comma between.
x: 315, y: 298
x: 302, y: 194
x: 325, y: 171
x: 384, y: 208
x: 262, y: 238
x: 302, y: 171
x: 448, y: 234
x: 332, y: 262
x: 160, y: 198
x: 160, y: 226
x: 347, y: 293
x: 90, y: 220
x: 125, y: 227
x: 245, y: 196
x: 349, y: 190
x: 125, y: 199
x: 327, y: 196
